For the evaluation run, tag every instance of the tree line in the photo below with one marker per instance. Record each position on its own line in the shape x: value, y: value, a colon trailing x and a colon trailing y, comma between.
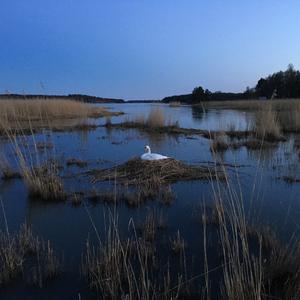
x: 283, y: 84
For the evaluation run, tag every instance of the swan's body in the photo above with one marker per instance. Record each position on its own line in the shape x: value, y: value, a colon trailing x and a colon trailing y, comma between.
x: 152, y: 156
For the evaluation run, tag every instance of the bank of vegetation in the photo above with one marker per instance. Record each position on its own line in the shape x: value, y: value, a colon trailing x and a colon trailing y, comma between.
x: 281, y: 85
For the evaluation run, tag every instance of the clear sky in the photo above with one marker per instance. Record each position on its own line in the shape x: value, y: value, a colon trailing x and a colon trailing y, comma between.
x: 144, y: 49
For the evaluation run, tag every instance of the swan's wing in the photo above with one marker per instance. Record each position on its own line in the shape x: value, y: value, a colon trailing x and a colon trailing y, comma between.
x: 146, y: 156
x: 153, y: 156
x: 159, y: 156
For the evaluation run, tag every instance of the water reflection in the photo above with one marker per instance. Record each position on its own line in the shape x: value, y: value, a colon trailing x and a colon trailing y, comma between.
x: 68, y: 227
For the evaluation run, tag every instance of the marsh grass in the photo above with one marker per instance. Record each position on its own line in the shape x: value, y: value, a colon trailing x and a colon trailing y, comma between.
x: 127, y: 268
x: 242, y: 271
x: 40, y: 176
x: 154, y: 221
x: 43, y: 182
x: 47, y: 265
x: 22, y: 255
x: 177, y: 243
x: 282, y: 115
x: 11, y: 258
x: 23, y: 110
x: 24, y: 115
x: 256, y: 265
x: 155, y: 120
x: 266, y: 124
x: 219, y: 142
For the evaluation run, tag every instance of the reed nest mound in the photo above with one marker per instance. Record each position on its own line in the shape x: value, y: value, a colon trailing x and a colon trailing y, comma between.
x: 168, y: 170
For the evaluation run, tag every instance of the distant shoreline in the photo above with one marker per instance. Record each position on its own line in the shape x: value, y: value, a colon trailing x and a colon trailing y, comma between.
x: 79, y: 97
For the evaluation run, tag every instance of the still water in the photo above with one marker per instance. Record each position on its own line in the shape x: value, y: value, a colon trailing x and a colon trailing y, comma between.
x: 255, y: 174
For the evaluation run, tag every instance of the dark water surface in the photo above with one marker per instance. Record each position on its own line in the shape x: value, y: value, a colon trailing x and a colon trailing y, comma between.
x: 67, y: 226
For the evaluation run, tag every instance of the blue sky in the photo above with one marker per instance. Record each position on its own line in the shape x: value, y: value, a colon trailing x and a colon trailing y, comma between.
x: 138, y: 49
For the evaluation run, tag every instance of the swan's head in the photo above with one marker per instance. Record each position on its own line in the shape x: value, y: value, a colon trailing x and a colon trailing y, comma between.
x: 147, y: 149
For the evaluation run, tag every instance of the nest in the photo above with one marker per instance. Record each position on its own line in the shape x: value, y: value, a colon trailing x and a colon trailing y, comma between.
x: 136, y: 171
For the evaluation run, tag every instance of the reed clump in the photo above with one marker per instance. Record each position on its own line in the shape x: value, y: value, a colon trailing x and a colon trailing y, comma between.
x: 156, y: 118
x: 219, y: 143
x: 256, y: 265
x: 266, y: 124
x: 43, y: 182
x: 177, y: 243
x: 11, y: 258
x: 154, y: 221
x: 155, y: 121
x: 286, y: 111
x: 15, y: 251
x: 127, y: 268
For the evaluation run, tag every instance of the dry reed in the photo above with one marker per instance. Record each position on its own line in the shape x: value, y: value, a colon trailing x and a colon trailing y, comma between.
x: 266, y: 125
x: 15, y: 249
x: 26, y: 114
x: 219, y: 142
x: 126, y: 269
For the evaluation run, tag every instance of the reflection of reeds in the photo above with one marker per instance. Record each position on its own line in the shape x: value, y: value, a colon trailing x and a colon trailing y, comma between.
x: 177, y: 243
x: 174, y: 104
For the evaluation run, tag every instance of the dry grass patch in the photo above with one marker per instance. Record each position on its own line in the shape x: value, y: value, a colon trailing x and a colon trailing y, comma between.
x: 28, y: 114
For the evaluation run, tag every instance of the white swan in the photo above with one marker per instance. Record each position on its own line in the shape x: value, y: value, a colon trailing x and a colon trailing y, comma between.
x: 152, y: 156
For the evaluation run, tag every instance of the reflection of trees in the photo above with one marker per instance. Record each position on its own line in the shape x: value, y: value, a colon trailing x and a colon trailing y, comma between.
x: 198, y: 112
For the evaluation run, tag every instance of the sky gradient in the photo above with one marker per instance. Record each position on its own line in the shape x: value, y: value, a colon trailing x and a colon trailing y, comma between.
x: 138, y: 49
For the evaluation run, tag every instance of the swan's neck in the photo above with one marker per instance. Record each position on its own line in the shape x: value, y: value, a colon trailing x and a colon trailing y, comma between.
x: 148, y: 150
